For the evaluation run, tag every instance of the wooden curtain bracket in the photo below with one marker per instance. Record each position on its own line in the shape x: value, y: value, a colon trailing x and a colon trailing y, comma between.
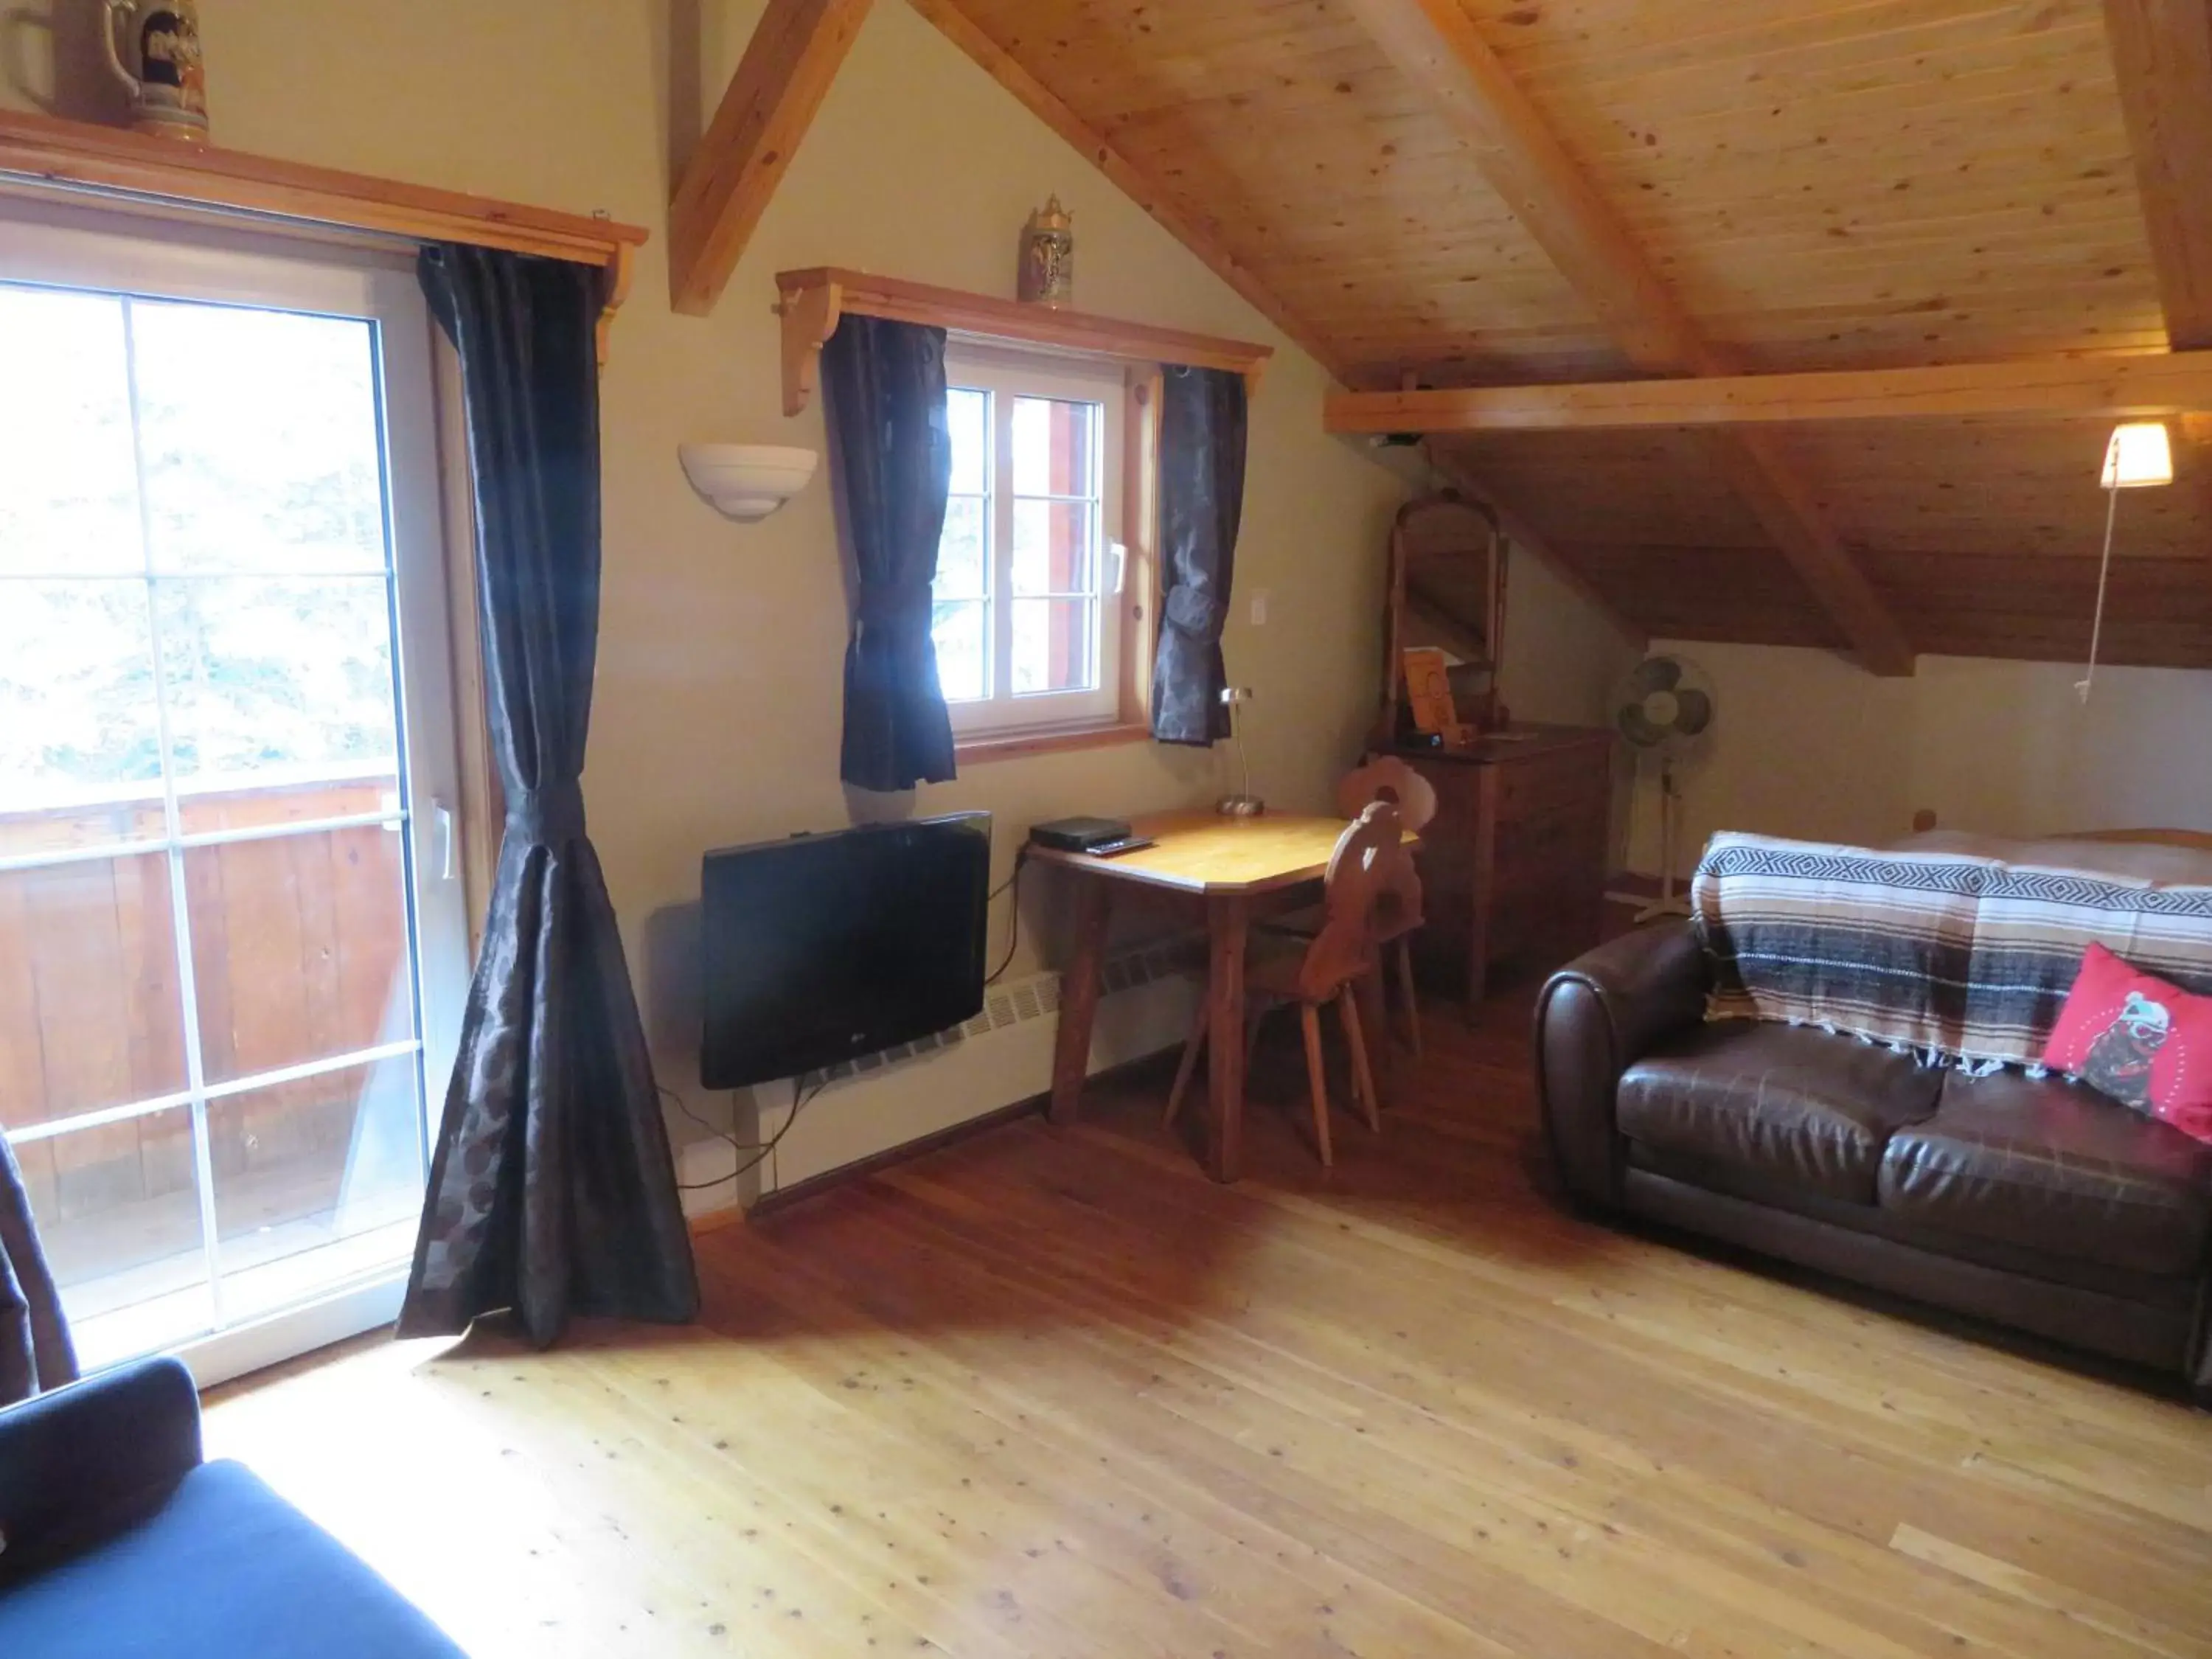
x: 621, y: 270
x: 810, y: 316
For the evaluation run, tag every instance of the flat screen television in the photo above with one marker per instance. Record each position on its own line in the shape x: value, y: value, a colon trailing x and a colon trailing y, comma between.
x: 822, y: 948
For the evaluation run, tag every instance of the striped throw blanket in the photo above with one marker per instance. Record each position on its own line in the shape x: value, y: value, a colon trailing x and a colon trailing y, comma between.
x: 1960, y: 959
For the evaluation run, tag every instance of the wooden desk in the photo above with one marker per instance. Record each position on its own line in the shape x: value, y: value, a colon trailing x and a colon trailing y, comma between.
x: 1238, y: 868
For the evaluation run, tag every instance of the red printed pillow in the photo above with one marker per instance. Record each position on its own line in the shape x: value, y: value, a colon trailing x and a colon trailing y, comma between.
x: 2143, y: 1041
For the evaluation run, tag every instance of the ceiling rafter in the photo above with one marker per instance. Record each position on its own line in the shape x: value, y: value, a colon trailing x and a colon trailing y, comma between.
x: 795, y: 55
x: 1436, y: 47
x: 2162, y: 54
x: 2138, y: 385
x: 1193, y: 230
x: 1202, y: 237
x: 2162, y: 57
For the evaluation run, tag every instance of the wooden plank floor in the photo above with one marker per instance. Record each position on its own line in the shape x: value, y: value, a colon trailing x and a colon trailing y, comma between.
x: 1049, y: 1393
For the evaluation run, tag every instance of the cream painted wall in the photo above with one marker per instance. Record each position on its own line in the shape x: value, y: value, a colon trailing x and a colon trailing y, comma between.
x: 718, y: 702
x: 1807, y: 745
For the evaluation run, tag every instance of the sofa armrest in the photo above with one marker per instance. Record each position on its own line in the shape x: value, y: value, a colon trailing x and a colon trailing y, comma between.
x: 1594, y: 1018
x: 83, y: 1463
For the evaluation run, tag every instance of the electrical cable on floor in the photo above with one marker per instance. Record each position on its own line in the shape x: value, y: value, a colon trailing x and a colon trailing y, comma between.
x: 764, y: 1149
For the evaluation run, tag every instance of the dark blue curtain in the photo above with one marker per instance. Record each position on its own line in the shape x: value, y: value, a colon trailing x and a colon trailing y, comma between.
x: 35, y: 1354
x: 1202, y: 436
x: 551, y: 1189
x: 893, y: 444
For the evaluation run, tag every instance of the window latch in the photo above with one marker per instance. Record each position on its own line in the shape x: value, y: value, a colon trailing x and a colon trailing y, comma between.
x: 1121, y: 565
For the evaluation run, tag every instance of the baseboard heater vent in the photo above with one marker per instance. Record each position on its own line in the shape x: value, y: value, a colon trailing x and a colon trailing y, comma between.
x: 1025, y: 1000
x: 860, y: 1109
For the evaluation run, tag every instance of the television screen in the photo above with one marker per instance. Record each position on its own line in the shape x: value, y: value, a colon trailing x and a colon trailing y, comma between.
x: 824, y: 947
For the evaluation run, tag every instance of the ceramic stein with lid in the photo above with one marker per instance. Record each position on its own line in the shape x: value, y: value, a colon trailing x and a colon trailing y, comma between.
x: 160, y: 65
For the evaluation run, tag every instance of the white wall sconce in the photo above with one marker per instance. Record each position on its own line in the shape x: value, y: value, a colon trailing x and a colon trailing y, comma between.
x: 747, y: 482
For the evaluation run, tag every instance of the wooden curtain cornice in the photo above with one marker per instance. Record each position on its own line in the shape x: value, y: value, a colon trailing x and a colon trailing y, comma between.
x: 811, y: 303
x: 290, y: 198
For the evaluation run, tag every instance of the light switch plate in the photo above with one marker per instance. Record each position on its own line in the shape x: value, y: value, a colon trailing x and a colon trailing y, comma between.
x: 1259, y: 609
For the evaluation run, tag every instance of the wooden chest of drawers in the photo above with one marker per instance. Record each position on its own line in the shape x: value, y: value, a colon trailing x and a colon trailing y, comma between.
x: 1515, y: 865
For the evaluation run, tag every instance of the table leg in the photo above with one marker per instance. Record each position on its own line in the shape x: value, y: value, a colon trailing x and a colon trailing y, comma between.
x: 1078, y: 998
x: 1228, y: 917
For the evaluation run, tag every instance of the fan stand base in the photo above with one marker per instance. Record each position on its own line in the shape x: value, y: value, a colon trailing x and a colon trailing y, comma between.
x: 1670, y: 902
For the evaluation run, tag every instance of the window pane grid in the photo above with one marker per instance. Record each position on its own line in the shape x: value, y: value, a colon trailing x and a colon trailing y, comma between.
x: 225, y: 475
x: 34, y: 1133
x: 393, y: 821
x: 302, y: 573
x: 1031, y: 468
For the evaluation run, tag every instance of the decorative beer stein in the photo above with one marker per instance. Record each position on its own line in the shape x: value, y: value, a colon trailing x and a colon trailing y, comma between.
x: 1047, y: 276
x: 168, y: 92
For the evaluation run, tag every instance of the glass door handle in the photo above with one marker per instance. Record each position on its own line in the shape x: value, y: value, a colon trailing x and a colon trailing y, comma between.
x: 442, y: 816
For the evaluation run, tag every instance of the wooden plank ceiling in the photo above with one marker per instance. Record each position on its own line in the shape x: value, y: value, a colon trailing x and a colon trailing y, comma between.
x: 1816, y: 184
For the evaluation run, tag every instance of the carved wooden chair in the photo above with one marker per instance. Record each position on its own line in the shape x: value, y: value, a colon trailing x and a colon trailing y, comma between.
x: 1386, y: 778
x: 1366, y: 875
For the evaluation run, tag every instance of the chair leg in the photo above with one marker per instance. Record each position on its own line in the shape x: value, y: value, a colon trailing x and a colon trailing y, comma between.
x: 1191, y: 1046
x: 1412, y: 997
x: 1317, y: 1080
x: 1363, y: 1079
x: 1255, y: 1015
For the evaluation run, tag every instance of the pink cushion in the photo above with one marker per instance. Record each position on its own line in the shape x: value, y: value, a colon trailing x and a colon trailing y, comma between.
x: 2139, y: 1039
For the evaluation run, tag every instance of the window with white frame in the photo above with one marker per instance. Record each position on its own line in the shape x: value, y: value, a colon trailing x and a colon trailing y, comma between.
x: 1027, y: 629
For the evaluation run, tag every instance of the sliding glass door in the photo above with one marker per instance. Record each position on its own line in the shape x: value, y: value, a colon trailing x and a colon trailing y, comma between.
x: 232, y: 945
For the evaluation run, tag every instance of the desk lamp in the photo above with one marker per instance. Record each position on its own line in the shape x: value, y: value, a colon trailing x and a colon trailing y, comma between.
x: 1244, y: 804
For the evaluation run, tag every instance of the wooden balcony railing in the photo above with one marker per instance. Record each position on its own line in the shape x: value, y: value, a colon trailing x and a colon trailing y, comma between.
x: 298, y: 954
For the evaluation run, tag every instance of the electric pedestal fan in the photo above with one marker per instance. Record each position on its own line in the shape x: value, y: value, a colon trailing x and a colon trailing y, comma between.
x: 1665, y: 709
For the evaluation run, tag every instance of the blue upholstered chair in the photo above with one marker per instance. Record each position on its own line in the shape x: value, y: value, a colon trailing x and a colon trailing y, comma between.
x: 116, y: 1539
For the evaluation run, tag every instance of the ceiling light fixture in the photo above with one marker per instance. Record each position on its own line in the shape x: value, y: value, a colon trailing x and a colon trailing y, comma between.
x: 2139, y: 456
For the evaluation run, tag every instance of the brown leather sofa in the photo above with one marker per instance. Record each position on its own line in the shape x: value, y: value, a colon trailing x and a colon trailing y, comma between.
x: 2036, y: 1204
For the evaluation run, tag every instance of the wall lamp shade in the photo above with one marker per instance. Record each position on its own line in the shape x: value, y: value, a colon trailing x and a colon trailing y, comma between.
x: 746, y: 482
x: 2139, y: 455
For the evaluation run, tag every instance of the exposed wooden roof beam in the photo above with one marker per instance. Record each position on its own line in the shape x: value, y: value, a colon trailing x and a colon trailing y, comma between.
x: 793, y: 55
x: 2148, y: 384
x: 1193, y: 230
x: 2162, y: 53
x: 1436, y: 47
x: 2162, y: 56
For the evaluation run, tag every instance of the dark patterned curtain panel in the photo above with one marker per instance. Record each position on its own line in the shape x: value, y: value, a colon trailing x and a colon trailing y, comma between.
x: 1202, y: 429
x: 551, y: 1190
x: 886, y: 384
x: 35, y: 1354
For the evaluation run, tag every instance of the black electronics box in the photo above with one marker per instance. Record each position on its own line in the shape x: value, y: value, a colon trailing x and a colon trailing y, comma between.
x: 1079, y: 835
